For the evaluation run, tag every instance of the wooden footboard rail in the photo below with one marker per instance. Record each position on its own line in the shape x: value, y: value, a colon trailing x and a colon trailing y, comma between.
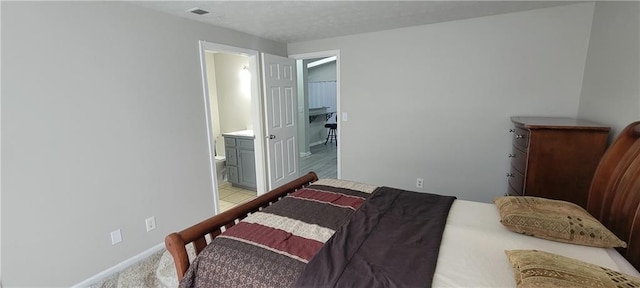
x: 176, y: 242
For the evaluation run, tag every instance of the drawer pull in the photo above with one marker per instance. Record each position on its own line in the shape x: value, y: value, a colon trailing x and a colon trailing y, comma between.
x: 512, y: 155
x: 510, y: 175
x: 512, y: 130
x: 518, y: 136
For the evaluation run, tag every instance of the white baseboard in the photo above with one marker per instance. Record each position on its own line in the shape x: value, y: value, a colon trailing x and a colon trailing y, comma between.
x: 119, y: 267
x: 317, y: 143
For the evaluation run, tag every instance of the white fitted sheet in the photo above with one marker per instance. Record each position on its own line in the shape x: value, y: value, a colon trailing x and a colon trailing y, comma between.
x: 472, y: 249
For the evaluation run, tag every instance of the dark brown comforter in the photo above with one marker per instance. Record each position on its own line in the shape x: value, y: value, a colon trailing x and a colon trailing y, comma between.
x: 392, y: 240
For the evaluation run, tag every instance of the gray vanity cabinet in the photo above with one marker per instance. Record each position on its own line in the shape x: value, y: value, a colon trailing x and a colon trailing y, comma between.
x: 240, y: 160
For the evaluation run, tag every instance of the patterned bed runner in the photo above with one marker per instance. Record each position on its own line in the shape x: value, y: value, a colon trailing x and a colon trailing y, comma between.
x: 271, y: 247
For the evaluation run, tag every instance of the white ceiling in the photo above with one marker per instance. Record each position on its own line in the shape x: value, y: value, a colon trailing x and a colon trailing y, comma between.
x: 295, y: 21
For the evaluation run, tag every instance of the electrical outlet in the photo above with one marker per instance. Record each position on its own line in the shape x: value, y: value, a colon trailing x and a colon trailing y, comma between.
x: 419, y: 182
x: 116, y: 237
x: 150, y: 223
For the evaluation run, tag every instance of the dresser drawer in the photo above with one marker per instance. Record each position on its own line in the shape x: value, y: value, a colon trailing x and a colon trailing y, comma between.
x: 518, y: 159
x: 516, y: 181
x: 521, y: 138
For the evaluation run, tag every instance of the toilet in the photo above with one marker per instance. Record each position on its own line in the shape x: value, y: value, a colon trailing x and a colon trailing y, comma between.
x: 221, y: 169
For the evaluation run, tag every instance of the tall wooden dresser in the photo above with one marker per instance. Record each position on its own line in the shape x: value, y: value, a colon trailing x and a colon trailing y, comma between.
x: 555, y: 157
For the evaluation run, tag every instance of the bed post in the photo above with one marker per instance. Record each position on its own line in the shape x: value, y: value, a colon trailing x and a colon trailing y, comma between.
x: 176, y: 246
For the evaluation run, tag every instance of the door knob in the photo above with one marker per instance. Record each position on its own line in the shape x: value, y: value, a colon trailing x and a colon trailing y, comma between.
x: 270, y: 136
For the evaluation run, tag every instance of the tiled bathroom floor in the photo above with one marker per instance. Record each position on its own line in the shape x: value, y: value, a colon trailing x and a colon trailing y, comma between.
x: 231, y: 196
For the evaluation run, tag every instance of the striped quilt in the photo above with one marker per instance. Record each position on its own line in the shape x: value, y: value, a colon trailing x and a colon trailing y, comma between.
x: 271, y: 247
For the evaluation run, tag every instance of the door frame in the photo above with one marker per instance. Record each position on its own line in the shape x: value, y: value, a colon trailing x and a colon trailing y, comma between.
x: 256, y: 112
x: 330, y: 53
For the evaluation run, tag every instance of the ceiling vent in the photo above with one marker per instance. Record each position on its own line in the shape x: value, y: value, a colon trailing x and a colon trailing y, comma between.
x: 198, y: 11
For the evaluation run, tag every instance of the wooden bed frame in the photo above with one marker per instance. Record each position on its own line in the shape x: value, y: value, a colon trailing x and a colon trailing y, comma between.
x: 614, y: 199
x: 176, y: 243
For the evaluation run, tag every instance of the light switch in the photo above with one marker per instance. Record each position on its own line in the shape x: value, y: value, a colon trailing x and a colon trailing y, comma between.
x: 345, y: 116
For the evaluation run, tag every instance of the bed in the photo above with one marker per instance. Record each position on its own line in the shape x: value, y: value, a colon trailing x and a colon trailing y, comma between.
x: 469, y: 251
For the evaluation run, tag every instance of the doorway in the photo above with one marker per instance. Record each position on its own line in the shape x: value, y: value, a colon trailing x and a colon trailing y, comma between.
x: 232, y: 98
x: 230, y: 102
x: 269, y: 142
x: 318, y: 99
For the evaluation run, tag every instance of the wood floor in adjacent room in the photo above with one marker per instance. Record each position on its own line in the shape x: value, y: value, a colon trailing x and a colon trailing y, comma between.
x: 323, y: 160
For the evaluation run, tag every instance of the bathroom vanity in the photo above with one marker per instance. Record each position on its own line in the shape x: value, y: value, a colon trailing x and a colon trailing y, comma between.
x: 240, y: 158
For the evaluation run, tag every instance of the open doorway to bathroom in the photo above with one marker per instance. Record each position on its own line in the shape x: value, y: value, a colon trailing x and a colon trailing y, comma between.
x: 318, y: 113
x: 231, y: 124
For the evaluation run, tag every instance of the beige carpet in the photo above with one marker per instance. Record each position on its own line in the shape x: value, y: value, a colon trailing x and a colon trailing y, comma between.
x: 156, y: 270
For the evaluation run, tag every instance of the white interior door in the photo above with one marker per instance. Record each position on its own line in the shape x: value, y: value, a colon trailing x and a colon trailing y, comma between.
x: 279, y: 79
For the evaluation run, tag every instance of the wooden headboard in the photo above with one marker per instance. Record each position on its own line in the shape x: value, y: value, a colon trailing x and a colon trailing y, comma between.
x: 614, y: 197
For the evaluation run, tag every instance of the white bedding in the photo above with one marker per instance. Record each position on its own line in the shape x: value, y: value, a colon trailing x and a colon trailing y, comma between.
x: 472, y: 249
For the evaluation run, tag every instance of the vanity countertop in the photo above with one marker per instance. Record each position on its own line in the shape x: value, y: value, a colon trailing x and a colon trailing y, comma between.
x: 243, y: 133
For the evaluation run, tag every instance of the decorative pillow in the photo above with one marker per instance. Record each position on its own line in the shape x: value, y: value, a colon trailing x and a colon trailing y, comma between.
x: 554, y: 220
x: 534, y: 268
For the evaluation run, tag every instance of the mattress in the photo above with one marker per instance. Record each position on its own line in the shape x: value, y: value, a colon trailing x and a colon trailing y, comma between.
x: 472, y: 249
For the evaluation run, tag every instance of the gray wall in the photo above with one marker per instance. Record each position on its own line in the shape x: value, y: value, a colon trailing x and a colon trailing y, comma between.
x: 229, y: 95
x: 303, y: 108
x: 102, y: 126
x: 324, y: 72
x: 234, y: 95
x: 611, y: 86
x: 434, y: 101
x: 210, y: 63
